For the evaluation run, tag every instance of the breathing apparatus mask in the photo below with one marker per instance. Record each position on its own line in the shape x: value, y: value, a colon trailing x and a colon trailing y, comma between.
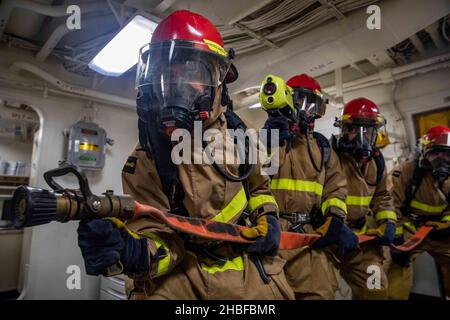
x: 360, y: 125
x: 435, y: 152
x: 358, y: 140
x: 437, y: 160
x: 300, y: 105
x: 309, y: 106
x: 177, y: 83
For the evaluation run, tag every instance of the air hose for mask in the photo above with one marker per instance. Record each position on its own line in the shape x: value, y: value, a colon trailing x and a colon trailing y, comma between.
x: 234, y: 122
x: 245, y: 170
x: 304, y: 126
x: 311, y: 156
x: 153, y: 140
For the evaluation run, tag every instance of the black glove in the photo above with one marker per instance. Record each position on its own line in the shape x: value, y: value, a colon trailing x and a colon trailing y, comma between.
x: 267, y: 233
x: 403, y: 259
x: 335, y: 231
x: 104, y: 243
x: 441, y: 230
x: 385, y: 233
x: 281, y: 123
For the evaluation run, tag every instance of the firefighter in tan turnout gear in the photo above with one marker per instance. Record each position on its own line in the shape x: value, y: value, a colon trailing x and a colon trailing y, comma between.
x: 181, y: 79
x: 309, y: 189
x: 421, y: 190
x: 369, y: 204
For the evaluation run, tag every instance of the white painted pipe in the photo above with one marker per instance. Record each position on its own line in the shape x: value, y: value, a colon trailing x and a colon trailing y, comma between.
x: 398, y: 77
x: 435, y: 67
x: 434, y: 32
x: 7, y: 6
x: 421, y: 63
x: 52, y: 42
x: 67, y: 87
x: 13, y: 114
x: 56, y: 92
x: 23, y: 293
x: 59, y: 32
x: 397, y: 73
x: 417, y: 43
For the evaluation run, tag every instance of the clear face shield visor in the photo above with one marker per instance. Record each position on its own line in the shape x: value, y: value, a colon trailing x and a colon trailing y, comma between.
x: 360, y: 135
x: 309, y: 103
x: 179, y: 73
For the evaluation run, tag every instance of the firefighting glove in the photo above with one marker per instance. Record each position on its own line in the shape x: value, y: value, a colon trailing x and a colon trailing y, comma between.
x: 400, y: 258
x: 266, y: 234
x: 385, y: 233
x: 441, y: 229
x: 105, y: 243
x: 281, y: 123
x: 335, y: 232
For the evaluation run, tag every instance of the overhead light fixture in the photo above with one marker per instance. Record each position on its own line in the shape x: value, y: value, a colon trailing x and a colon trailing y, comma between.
x: 255, y: 106
x: 121, y: 53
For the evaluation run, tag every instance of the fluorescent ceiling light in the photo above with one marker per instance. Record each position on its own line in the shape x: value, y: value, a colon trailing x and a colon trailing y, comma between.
x: 255, y: 106
x: 121, y: 53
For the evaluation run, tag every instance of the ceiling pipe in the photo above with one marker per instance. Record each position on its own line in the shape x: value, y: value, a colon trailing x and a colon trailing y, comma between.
x: 339, y: 87
x: 417, y: 43
x: 434, y: 32
x: 46, y: 91
x: 59, y: 32
x: 13, y: 114
x: 248, y: 11
x: 7, y: 6
x: 52, y: 41
x: 401, y: 76
x: 73, y: 89
x: 385, y: 76
x: 397, y: 73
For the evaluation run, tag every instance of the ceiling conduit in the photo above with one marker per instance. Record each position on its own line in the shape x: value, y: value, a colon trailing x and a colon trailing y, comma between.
x: 7, y: 6
x: 73, y: 89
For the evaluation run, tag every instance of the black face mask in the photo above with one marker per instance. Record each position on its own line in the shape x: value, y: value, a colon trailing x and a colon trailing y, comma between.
x: 182, y: 113
x: 439, y: 167
x: 305, y: 122
x: 179, y: 111
x: 361, y: 151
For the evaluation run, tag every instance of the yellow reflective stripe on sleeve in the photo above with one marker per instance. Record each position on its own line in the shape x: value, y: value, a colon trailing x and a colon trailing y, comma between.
x: 163, y: 264
x: 385, y: 214
x: 257, y: 201
x: 411, y: 228
x: 427, y: 208
x: 334, y: 202
x: 297, y: 185
x: 446, y: 218
x: 234, y: 264
x: 398, y: 231
x: 233, y: 208
x: 358, y: 201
